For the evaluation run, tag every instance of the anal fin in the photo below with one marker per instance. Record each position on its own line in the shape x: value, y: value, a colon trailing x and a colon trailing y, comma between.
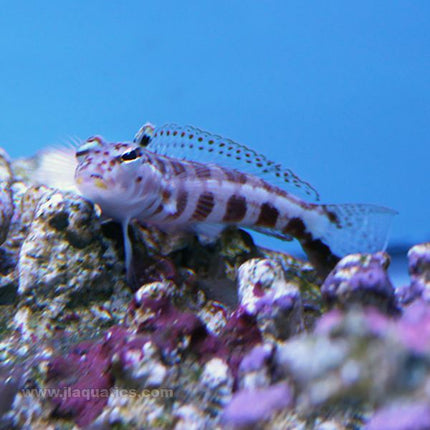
x: 271, y: 232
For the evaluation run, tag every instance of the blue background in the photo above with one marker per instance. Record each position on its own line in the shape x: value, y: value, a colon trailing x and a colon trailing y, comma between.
x: 338, y: 91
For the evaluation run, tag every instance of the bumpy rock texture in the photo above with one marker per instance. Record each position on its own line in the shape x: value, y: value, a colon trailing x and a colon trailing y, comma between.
x: 212, y: 335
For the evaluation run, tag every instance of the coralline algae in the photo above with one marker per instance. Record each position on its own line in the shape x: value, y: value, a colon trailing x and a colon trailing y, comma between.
x: 419, y: 269
x: 6, y: 202
x: 212, y: 335
x: 362, y: 279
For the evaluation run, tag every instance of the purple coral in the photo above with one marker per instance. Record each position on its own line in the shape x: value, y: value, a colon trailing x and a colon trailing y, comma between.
x: 168, y: 324
x: 247, y: 407
x: 256, y: 358
x: 361, y: 279
x: 265, y: 293
x: 414, y: 326
x: 375, y: 322
x: 419, y: 269
x: 82, y: 380
x: 6, y: 202
x: 401, y: 417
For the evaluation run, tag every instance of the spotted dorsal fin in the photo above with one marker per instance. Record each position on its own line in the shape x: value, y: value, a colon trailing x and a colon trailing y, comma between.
x: 190, y: 143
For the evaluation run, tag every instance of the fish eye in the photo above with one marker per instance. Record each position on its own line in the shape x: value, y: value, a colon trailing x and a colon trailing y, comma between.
x: 130, y: 155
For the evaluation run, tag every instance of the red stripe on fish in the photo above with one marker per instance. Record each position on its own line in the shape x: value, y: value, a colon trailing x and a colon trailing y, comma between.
x: 268, y: 216
x: 204, y: 206
x: 235, y: 210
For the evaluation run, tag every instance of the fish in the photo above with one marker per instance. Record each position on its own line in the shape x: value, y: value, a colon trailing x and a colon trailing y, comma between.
x: 177, y: 177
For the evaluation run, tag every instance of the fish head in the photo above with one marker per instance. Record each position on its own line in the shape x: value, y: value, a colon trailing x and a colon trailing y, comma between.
x: 116, y: 176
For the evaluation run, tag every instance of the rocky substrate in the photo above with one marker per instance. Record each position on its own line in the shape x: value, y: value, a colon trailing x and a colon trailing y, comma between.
x: 210, y: 335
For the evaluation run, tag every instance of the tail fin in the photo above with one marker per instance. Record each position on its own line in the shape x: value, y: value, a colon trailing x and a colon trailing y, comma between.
x: 357, y: 228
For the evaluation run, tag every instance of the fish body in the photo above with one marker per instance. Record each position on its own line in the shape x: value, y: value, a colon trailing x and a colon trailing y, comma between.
x: 139, y: 180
